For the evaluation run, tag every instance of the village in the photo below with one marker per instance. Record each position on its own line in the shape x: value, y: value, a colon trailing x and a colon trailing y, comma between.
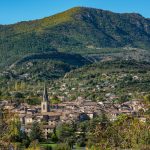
x: 70, y: 111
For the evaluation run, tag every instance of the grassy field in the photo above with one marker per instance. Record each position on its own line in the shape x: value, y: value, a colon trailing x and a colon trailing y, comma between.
x: 48, y: 145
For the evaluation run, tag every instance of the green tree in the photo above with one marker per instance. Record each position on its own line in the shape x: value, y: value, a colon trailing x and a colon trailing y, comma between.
x: 147, y: 99
x: 126, y: 132
x: 36, y: 132
x: 66, y: 134
x: 14, y: 130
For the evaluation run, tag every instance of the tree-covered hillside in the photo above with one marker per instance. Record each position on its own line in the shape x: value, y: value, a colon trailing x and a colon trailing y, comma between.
x: 120, y: 80
x: 44, y: 50
x: 76, y: 30
x: 117, y: 80
x: 43, y: 66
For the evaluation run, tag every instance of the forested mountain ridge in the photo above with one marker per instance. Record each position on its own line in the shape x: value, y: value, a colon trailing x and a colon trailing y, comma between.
x: 43, y: 66
x: 77, y: 30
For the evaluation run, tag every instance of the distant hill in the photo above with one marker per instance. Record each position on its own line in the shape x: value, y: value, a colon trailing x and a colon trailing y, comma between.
x: 43, y: 66
x: 71, y: 59
x: 98, y: 81
x: 78, y: 30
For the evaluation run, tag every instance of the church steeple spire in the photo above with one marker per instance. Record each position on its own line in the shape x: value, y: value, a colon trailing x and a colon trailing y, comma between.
x: 45, y: 94
x: 45, y: 107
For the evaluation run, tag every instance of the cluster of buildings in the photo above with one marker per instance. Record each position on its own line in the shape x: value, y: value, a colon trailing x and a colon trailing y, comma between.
x: 50, y: 115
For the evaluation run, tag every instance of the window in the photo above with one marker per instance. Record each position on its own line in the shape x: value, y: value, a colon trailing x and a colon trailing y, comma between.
x: 43, y: 107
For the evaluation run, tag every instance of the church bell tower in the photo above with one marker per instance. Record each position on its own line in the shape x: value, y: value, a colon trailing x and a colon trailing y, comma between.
x: 45, y: 107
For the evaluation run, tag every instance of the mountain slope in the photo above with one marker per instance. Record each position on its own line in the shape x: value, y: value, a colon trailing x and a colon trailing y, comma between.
x: 43, y: 66
x: 118, y: 79
x: 76, y: 30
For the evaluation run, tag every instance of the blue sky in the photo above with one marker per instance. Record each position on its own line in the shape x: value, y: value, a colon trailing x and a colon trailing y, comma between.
x: 12, y: 11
